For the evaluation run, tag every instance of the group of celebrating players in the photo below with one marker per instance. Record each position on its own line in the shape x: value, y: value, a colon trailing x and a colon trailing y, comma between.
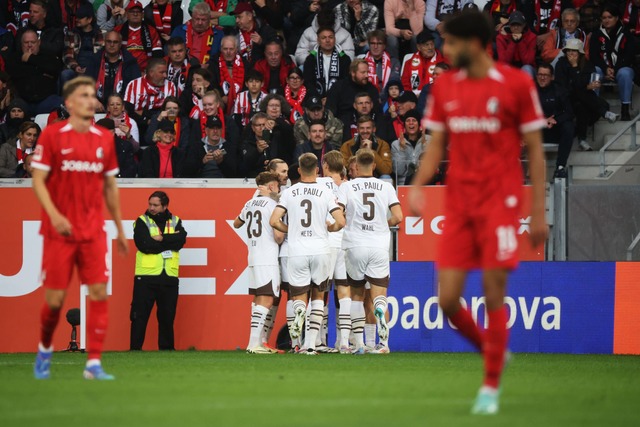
x: 298, y: 238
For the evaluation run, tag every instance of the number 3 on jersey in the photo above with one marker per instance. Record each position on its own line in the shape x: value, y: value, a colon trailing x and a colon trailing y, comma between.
x: 306, y: 204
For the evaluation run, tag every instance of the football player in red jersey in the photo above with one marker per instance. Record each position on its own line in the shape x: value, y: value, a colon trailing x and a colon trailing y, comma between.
x: 75, y: 165
x: 483, y: 111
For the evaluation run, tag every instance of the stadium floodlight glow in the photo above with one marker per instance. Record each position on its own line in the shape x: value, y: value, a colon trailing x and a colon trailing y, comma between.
x: 73, y: 317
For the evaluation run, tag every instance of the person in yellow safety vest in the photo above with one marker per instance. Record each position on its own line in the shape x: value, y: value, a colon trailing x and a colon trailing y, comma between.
x: 159, y: 236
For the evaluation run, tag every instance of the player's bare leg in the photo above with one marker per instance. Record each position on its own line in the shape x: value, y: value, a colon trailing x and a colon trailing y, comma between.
x: 450, y: 288
x: 315, y: 320
x: 379, y: 299
x: 49, y: 317
x: 98, y: 319
x: 259, y: 312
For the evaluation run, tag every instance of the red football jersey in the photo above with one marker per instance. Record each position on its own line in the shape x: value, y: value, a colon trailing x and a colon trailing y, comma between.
x: 484, y: 120
x: 77, y: 164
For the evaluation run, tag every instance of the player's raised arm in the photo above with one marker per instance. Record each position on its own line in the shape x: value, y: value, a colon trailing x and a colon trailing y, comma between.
x: 276, y: 219
x: 112, y: 200
x: 538, y: 227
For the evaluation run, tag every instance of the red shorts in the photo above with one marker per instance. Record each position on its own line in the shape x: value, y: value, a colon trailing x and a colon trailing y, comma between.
x: 484, y: 237
x: 60, y: 256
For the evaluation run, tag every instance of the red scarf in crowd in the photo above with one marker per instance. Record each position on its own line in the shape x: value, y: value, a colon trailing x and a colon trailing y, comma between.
x: 154, y: 91
x: 69, y: 19
x: 176, y: 126
x: 296, y: 103
x: 231, y: 85
x: 198, y: 114
x: 497, y: 7
x: 245, y: 43
x: 626, y: 17
x: 166, y: 152
x: 162, y: 22
x: 117, y: 81
x: 217, y: 5
x: 207, y: 41
x: 420, y: 70
x: 263, y: 67
x: 125, y: 117
x: 22, y: 154
x: 556, y: 12
x: 386, y: 70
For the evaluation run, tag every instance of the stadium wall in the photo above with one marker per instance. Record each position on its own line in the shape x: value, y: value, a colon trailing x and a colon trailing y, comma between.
x: 572, y: 307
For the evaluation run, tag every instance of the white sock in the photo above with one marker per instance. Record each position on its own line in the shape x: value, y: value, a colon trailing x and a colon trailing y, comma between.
x: 344, y: 321
x: 93, y: 362
x: 258, y: 316
x: 44, y: 349
x: 315, y: 323
x: 268, y: 323
x: 380, y: 302
x: 357, y: 322
x: 370, y: 334
x: 322, y: 338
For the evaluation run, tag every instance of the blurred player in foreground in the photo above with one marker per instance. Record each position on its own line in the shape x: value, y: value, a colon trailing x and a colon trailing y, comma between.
x: 75, y: 166
x: 483, y: 111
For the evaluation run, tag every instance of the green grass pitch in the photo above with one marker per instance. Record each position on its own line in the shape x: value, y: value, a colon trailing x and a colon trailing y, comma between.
x: 235, y: 389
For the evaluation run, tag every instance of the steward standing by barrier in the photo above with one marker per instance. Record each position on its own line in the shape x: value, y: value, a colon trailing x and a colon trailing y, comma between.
x: 159, y: 236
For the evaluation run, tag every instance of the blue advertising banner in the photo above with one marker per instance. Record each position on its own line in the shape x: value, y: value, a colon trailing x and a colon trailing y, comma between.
x: 553, y: 308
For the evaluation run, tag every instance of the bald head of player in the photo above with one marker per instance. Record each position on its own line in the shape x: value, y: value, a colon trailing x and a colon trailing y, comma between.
x: 365, y: 162
x: 308, y: 167
x: 468, y: 35
x: 80, y: 100
x: 332, y: 163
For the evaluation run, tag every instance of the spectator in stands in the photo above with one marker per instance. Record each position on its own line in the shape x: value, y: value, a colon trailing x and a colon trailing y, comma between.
x: 500, y: 10
x: 590, y: 16
x: 124, y: 151
x: 252, y: 33
x: 325, y: 19
x: 543, y: 16
x: 359, y: 17
x: 326, y: 64
x: 558, y: 37
x: 403, y: 22
x: 80, y: 44
x: 16, y: 116
x: 145, y: 95
x: 517, y: 45
x: 417, y: 71
x: 191, y: 97
x: 178, y: 64
x: 314, y: 110
x: 382, y: 67
x: 631, y: 16
x: 389, y: 97
x: 407, y: 101
x: 366, y: 138
x: 363, y: 106
x: 25, y: 170
x: 556, y: 106
x: 271, y: 12
x: 12, y: 153
x: 274, y: 67
x: 222, y: 12
x: 316, y: 144
x: 124, y: 127
x: 573, y: 72
x: 111, y: 14
x: 437, y: 12
x: 212, y: 106
x: 295, y: 93
x: 254, y: 147
x: 164, y: 16
x: 613, y: 53
x: 439, y: 69
x: 202, y: 40
x: 408, y: 148
x: 171, y: 111
x: 51, y: 37
x: 303, y: 12
x: 113, y: 68
x: 247, y: 102
x: 140, y: 39
x: 20, y: 16
x: 281, y: 143
x: 35, y: 75
x: 213, y: 156
x: 341, y: 97
x: 228, y: 69
x: 65, y: 12
x: 163, y: 159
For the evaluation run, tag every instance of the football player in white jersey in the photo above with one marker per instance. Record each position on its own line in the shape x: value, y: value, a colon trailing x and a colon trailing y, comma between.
x: 332, y: 171
x: 263, y: 242
x: 307, y: 205
x: 366, y: 241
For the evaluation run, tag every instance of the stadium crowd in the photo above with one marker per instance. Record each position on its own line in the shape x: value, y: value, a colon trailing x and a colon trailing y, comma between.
x: 244, y: 82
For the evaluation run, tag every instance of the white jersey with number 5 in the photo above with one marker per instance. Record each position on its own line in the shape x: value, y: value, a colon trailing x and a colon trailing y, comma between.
x: 367, y: 203
x: 263, y: 248
x: 307, y: 206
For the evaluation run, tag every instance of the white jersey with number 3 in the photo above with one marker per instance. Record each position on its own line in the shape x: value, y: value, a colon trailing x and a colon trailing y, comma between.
x: 367, y: 203
x: 307, y: 206
x: 263, y: 248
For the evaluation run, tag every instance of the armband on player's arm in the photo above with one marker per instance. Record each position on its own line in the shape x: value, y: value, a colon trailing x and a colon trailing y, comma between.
x: 276, y: 219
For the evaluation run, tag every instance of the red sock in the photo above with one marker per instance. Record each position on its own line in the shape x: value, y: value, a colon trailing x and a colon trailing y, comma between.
x: 495, y: 346
x: 48, y: 322
x: 467, y: 327
x: 96, y: 328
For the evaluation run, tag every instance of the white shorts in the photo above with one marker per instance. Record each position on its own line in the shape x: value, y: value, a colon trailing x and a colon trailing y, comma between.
x: 338, y: 267
x: 308, y: 270
x: 264, y: 280
x: 368, y: 265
